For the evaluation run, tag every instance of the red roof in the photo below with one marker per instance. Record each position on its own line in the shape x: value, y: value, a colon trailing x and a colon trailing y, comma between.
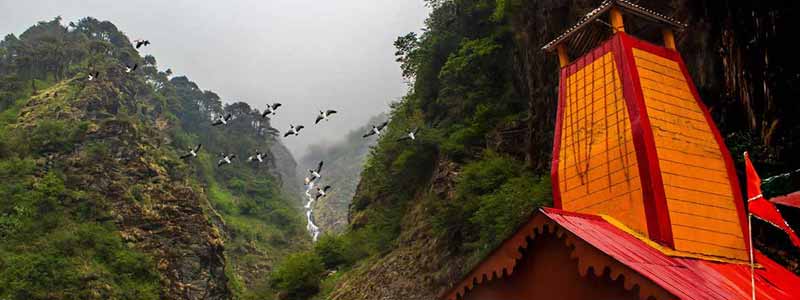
x: 686, y: 278
x: 792, y: 200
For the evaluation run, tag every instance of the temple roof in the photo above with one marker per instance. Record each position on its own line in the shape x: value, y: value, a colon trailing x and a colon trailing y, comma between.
x: 581, y: 36
x: 686, y: 278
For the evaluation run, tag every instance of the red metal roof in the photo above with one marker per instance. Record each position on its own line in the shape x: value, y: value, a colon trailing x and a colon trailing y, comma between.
x: 685, y: 278
x: 792, y: 200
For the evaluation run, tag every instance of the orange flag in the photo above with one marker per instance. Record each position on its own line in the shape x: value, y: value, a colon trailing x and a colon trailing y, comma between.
x: 760, y: 207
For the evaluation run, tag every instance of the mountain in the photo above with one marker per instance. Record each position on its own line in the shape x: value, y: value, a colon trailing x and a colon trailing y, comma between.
x: 343, y: 163
x: 95, y: 201
x: 484, y: 94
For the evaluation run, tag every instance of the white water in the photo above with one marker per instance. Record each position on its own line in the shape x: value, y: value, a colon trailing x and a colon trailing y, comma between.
x: 312, y: 228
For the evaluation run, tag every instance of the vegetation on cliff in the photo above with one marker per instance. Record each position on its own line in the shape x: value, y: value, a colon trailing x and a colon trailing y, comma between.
x: 94, y: 200
x: 453, y: 184
x: 485, y: 94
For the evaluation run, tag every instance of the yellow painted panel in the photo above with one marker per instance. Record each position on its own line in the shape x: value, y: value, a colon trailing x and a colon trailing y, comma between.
x: 690, y: 158
x: 701, y: 209
x: 690, y: 141
x: 667, y: 126
x: 671, y: 99
x: 657, y: 84
x: 641, y: 55
x: 709, y: 240
x: 704, y: 184
x: 699, y: 194
x: 669, y: 103
x: 727, y: 251
x: 690, y: 171
x: 598, y: 170
x: 599, y: 175
x: 716, y: 225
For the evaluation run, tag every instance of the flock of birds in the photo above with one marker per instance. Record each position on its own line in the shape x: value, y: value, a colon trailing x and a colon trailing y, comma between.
x: 258, y: 156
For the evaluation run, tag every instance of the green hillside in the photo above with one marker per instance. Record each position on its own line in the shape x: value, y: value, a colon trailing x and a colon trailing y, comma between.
x: 95, y: 202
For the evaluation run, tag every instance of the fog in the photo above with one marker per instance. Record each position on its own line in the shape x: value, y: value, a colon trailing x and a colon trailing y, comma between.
x: 307, y: 54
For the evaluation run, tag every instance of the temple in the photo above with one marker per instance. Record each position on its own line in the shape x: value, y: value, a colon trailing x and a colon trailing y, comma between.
x: 647, y: 203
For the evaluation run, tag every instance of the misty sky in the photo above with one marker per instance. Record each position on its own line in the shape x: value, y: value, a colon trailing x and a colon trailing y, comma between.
x: 307, y: 54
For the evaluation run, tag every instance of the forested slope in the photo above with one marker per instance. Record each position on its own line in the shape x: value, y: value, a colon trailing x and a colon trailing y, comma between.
x: 485, y: 95
x: 95, y: 202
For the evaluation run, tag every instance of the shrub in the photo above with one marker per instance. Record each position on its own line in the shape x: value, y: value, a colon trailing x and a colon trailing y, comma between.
x: 486, y: 175
x: 494, y: 195
x: 332, y: 250
x: 55, y: 136
x: 501, y: 212
x: 298, y: 275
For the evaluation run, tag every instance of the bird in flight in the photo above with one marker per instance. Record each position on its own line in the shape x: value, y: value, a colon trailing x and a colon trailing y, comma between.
x: 321, y: 192
x: 293, y: 130
x: 129, y: 68
x: 323, y: 115
x: 140, y: 43
x: 256, y: 157
x: 271, y: 109
x: 93, y: 76
x: 411, y: 135
x: 222, y: 120
x: 376, y: 130
x: 192, y: 152
x: 226, y: 159
x: 315, y: 172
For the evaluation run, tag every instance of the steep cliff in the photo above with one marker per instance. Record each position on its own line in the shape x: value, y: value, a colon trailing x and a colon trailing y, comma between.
x: 95, y: 202
x: 477, y: 57
x: 285, y: 168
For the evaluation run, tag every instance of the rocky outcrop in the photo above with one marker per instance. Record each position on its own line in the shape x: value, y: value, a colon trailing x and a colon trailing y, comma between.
x: 421, y: 266
x: 145, y: 191
x: 283, y: 167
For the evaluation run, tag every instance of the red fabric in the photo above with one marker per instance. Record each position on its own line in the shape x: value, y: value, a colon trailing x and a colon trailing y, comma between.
x: 760, y: 207
x: 792, y: 200
x: 685, y: 278
x: 753, y: 180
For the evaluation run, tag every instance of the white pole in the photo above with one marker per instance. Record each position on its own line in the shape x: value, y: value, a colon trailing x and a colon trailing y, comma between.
x: 752, y: 260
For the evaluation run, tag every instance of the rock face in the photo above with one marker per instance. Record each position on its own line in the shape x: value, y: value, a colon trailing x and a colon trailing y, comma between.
x: 284, y: 167
x: 421, y: 266
x: 735, y: 51
x: 155, y: 207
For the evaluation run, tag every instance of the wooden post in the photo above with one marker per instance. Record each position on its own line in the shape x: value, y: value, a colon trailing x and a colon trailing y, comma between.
x: 563, y: 58
x: 669, y: 38
x: 616, y: 20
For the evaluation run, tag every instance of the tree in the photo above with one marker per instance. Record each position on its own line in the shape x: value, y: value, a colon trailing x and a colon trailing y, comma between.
x: 298, y: 275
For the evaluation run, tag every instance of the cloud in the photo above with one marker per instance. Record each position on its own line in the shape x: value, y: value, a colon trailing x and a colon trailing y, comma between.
x: 307, y: 54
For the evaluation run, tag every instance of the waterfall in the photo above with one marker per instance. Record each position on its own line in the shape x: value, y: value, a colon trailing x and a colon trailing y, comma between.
x: 312, y: 228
